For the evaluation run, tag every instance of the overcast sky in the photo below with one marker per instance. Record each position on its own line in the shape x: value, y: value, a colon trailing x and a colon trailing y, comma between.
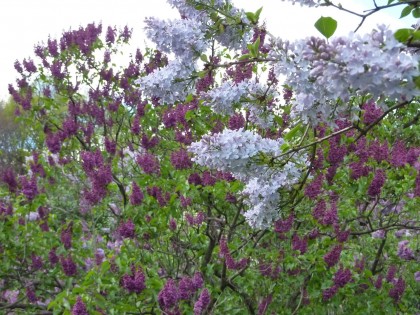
x: 23, y: 23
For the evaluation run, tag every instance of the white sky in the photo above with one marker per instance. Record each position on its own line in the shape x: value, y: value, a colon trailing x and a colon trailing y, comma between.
x: 23, y: 23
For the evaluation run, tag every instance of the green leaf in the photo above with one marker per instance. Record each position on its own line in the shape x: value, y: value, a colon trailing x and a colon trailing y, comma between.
x: 326, y: 26
x: 416, y: 12
x: 257, y: 13
x: 403, y: 34
x: 292, y: 132
x: 251, y: 17
x: 204, y: 58
x: 406, y: 11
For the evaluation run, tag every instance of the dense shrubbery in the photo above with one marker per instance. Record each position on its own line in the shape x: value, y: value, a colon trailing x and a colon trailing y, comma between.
x: 193, y: 181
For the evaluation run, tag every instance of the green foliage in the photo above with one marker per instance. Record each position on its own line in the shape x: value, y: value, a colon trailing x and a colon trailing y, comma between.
x: 326, y: 26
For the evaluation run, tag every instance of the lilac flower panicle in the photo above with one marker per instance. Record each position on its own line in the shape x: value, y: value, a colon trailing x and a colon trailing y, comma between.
x: 169, y: 83
x: 417, y: 276
x: 313, y: 189
x: 30, y: 294
x: 127, y: 229
x: 371, y: 112
x: 263, y: 306
x: 180, y: 160
x: 149, y: 163
x: 172, y: 224
x: 378, y: 282
x: 404, y: 252
x: 134, y: 283
x: 184, y: 38
x: 136, y: 197
x: 79, y: 308
x: 69, y: 266
x: 168, y: 296
x: 52, y: 257
x: 379, y: 234
x: 202, y: 303
x: 29, y: 187
x: 37, y: 262
x: 284, y: 226
x: 197, y: 281
x: 329, y: 293
x: 378, y: 181
x: 66, y: 237
x: 391, y: 273
x: 398, y: 154
x: 321, y: 72
x: 332, y: 257
x: 9, y: 178
x: 398, y: 290
x: 342, y: 277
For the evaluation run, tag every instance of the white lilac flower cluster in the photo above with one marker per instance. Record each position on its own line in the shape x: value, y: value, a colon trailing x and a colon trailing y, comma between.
x: 233, y: 151
x: 184, y: 38
x: 308, y: 3
x: 187, y: 10
x: 324, y: 76
x: 222, y: 99
x: 170, y: 83
x: 263, y: 194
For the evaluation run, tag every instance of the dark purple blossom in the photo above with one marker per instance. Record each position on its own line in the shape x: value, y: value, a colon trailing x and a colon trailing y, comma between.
x: 37, y: 262
x: 53, y: 142
x: 134, y: 283
x: 329, y: 293
x: 126, y: 229
x: 18, y: 66
x: 9, y: 178
x: 172, y: 224
x: 398, y: 290
x: 284, y: 226
x: 314, y: 188
x: 208, y: 179
x: 65, y: 237
x: 300, y: 244
x: 30, y: 294
x: 263, y: 306
x: 52, y: 257
x: 398, y: 154
x: 149, y: 163
x: 202, y: 302
x: 391, y: 273
x: 378, y: 181
x: 180, y: 160
x: 136, y: 197
x: 371, y: 112
x: 342, y: 277
x: 359, y: 169
x: 378, y: 282
x: 332, y: 257
x: 29, y: 65
x: 236, y: 121
x: 110, y: 35
x: 168, y: 296
x: 110, y: 146
x: 69, y: 266
x: 185, y: 201
x: 149, y: 142
x: 29, y: 187
x: 404, y: 252
x: 194, y: 179
x: 379, y: 151
x: 79, y: 308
